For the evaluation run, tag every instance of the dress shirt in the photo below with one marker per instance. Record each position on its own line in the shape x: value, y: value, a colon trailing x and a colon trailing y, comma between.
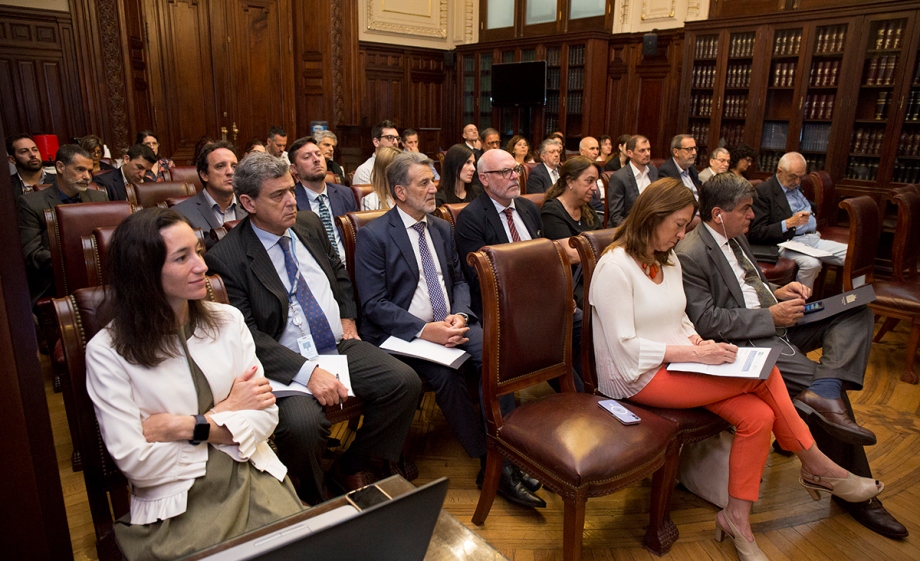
x: 798, y: 203
x: 319, y: 285
x: 29, y: 187
x: 553, y: 173
x: 221, y: 215
x: 751, y: 301
x: 522, y: 230
x: 362, y: 175
x: 313, y: 196
x: 642, y: 178
x: 688, y: 181
x: 420, y: 306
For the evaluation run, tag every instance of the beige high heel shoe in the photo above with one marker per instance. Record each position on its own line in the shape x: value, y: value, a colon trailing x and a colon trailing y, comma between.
x: 852, y: 488
x: 747, y: 551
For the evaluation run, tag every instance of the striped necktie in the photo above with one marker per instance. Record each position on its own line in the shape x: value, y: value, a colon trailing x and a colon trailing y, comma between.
x: 326, y: 217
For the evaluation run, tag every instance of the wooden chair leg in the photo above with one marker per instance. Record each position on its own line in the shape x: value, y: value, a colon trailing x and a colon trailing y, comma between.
x: 890, y: 323
x: 573, y: 528
x: 662, y: 532
x: 910, y: 375
x: 489, y: 487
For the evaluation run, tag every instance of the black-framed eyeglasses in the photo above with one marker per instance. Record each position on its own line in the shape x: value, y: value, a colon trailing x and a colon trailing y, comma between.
x: 389, y: 137
x: 689, y: 148
x: 506, y: 173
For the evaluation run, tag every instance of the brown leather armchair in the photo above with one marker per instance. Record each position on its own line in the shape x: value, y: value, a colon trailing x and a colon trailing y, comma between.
x: 361, y: 191
x: 576, y: 449
x: 186, y: 174
x: 449, y: 212
x: 348, y: 225
x: 147, y: 195
x: 535, y: 198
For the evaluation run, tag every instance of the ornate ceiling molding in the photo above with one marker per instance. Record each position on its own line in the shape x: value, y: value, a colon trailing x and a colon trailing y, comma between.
x: 378, y: 19
x: 653, y: 10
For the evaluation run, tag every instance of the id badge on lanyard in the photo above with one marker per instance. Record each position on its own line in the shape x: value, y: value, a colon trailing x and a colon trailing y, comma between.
x: 305, y: 343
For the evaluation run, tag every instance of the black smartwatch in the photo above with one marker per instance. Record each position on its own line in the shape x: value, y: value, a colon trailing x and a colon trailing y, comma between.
x: 202, y: 430
x: 466, y: 318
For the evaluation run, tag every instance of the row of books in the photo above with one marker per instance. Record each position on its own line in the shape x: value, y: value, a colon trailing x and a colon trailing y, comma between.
x: 706, y: 47
x: 881, y: 106
x: 731, y: 135
x: 739, y: 76
x: 815, y: 137
x: 735, y: 106
x: 888, y: 34
x: 576, y: 55
x: 576, y: 78
x: 787, y: 42
x: 909, y: 144
x: 700, y: 105
x: 700, y: 133
x: 552, y: 78
x: 863, y: 169
x: 783, y: 74
x: 867, y: 141
x: 703, y: 76
x: 907, y: 172
x: 774, y: 136
x: 913, y: 107
x: 553, y: 56
x: 741, y: 45
x: 880, y: 71
x: 830, y: 39
x: 819, y: 106
x: 574, y: 102
x: 824, y: 73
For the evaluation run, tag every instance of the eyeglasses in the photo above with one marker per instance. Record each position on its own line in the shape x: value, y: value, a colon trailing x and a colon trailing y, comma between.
x: 389, y: 137
x: 689, y: 149
x: 506, y: 173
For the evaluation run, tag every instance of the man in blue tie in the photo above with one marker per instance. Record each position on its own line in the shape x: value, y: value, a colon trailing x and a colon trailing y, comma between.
x: 284, y: 275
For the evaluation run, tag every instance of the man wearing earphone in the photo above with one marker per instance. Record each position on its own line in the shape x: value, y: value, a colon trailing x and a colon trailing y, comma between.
x: 729, y: 299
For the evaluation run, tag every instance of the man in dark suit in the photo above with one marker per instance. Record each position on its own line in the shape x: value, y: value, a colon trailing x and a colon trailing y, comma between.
x: 471, y: 138
x: 781, y: 213
x: 680, y: 165
x: 216, y: 203
x: 25, y: 156
x: 138, y: 160
x: 327, y: 141
x: 285, y: 277
x: 545, y: 174
x: 729, y: 298
x: 327, y: 200
x: 630, y: 180
x: 74, y: 168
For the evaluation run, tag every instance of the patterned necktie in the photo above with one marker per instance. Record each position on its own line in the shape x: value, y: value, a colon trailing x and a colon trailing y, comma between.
x: 319, y: 324
x: 438, y: 305
x: 751, y: 277
x: 555, y: 175
x: 326, y: 217
x: 509, y: 213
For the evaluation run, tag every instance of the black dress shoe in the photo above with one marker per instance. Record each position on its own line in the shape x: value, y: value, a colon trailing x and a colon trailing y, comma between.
x: 512, y: 489
x: 532, y: 484
x: 873, y: 515
x: 833, y: 417
x: 780, y: 450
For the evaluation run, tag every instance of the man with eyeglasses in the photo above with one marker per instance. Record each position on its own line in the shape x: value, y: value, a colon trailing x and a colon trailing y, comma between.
x: 680, y: 166
x: 718, y: 163
x: 781, y: 213
x: 545, y: 174
x: 384, y: 133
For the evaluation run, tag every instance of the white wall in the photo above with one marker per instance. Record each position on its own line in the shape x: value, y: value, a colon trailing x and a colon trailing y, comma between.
x: 59, y: 5
x: 630, y: 16
x: 435, y: 24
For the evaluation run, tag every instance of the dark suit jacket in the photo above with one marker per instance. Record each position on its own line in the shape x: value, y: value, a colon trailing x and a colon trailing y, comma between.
x: 479, y: 225
x: 770, y: 209
x: 335, y: 168
x: 341, y: 198
x: 200, y: 214
x: 17, y: 184
x: 254, y: 287
x: 539, y: 180
x: 114, y: 183
x: 613, y: 163
x: 670, y: 169
x: 34, y: 235
x: 387, y: 275
x: 623, y: 191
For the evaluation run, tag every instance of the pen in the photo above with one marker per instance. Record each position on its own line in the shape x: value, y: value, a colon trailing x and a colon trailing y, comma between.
x: 341, y: 406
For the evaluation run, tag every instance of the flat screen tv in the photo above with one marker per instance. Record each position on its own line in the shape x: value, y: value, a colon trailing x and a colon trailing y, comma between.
x: 519, y: 84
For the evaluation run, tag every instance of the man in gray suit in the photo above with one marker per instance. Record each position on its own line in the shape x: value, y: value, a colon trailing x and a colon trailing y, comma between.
x: 74, y: 168
x: 288, y: 281
x: 728, y: 298
x: 627, y: 182
x: 216, y: 203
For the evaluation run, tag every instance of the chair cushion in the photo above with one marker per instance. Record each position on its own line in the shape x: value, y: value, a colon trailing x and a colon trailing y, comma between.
x: 835, y: 234
x: 693, y: 424
x: 569, y: 435
x: 901, y: 295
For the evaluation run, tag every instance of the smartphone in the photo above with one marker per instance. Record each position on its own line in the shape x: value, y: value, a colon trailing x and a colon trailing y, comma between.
x: 813, y: 307
x: 622, y: 414
x: 366, y: 497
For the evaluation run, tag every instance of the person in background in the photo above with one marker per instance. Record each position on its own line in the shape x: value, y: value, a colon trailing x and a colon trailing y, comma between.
x: 742, y: 156
x: 410, y: 144
x: 327, y: 141
x: 160, y: 170
x: 718, y: 163
x: 545, y: 174
x: 619, y: 160
x: 471, y: 138
x: 606, y: 148
x: 519, y: 148
x: 26, y: 158
x: 379, y: 198
x: 491, y: 139
x: 276, y: 143
x: 254, y: 145
x: 457, y: 183
x: 96, y: 148
x: 215, y: 204
x: 136, y: 162
x: 384, y: 133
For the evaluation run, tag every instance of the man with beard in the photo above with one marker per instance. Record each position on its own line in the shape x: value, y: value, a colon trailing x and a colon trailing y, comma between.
x: 25, y: 156
x: 216, y: 203
x: 74, y: 170
x: 308, y: 165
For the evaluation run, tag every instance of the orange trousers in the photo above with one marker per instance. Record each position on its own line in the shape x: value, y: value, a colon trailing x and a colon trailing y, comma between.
x: 755, y: 407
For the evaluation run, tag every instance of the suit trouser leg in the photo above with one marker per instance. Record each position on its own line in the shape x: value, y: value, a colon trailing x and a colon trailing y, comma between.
x: 301, y: 440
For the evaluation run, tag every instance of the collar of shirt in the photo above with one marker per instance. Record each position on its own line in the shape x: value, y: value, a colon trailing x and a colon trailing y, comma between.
x: 68, y: 200
x: 500, y: 208
x: 682, y: 170
x: 212, y: 203
x: 123, y: 176
x: 40, y: 179
x: 637, y: 172
x: 408, y: 221
x: 717, y: 236
x: 267, y: 238
x: 313, y: 196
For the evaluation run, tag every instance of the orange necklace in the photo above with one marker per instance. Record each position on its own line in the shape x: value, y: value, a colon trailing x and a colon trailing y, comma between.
x: 650, y: 270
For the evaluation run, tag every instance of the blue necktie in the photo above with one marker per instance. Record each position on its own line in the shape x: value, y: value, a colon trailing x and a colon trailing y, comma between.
x: 316, y: 319
x: 326, y: 217
x: 438, y: 306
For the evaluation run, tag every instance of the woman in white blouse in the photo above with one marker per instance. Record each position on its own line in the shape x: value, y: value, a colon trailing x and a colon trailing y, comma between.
x: 640, y: 326
x: 181, y: 399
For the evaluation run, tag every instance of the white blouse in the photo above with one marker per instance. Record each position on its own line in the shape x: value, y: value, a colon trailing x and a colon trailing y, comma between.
x: 634, y: 321
x: 372, y: 202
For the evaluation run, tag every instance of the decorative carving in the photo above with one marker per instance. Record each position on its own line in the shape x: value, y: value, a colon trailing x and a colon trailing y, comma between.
x: 438, y: 31
x: 693, y: 8
x: 624, y: 12
x: 658, y: 12
x: 114, y: 73
x: 469, y: 25
x: 338, y: 62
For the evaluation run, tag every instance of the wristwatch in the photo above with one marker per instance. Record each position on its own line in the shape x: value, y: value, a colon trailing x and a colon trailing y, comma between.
x: 202, y: 430
x: 466, y: 318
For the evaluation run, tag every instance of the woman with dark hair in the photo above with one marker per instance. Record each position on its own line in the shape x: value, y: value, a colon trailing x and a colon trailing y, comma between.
x: 457, y: 173
x: 606, y: 145
x: 567, y: 210
x: 519, y: 148
x: 619, y: 158
x: 741, y: 158
x: 640, y: 326
x: 96, y: 148
x: 160, y: 170
x: 254, y: 145
x: 182, y: 403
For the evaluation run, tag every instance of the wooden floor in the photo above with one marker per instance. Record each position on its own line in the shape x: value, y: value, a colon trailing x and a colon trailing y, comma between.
x: 787, y: 523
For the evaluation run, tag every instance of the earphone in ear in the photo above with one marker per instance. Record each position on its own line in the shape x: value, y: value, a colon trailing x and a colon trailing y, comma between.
x: 719, y: 218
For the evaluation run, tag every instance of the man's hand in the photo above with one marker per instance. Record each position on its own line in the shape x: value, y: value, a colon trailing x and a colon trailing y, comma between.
x: 443, y: 333
x: 326, y: 388
x: 798, y: 219
x: 786, y: 313
x: 793, y: 290
x: 455, y: 320
x: 349, y: 329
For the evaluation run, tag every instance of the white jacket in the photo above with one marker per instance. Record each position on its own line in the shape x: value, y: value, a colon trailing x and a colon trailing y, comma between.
x: 124, y: 395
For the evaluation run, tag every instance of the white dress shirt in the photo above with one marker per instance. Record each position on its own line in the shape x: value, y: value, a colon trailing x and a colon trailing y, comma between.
x: 523, y: 232
x: 362, y: 175
x: 751, y: 301
x: 420, y: 306
x: 642, y: 178
x: 221, y: 215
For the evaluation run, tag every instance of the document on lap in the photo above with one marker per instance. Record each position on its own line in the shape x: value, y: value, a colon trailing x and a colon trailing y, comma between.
x: 838, y: 303
x: 336, y: 364
x: 750, y: 362
x: 426, y: 350
x: 806, y: 249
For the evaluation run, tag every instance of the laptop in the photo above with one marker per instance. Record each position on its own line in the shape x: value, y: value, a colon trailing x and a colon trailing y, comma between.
x: 399, y: 528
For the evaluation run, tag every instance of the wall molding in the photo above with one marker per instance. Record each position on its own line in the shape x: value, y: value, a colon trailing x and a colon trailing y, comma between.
x: 436, y: 27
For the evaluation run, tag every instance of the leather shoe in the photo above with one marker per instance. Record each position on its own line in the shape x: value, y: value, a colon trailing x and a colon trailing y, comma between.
x: 512, y: 489
x: 873, y: 515
x: 780, y: 450
x: 833, y: 417
x: 532, y: 484
x: 349, y: 482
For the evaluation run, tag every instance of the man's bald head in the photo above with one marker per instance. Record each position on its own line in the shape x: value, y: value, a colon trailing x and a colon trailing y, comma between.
x: 589, y: 148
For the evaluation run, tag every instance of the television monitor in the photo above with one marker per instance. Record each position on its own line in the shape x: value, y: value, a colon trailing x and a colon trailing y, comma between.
x: 519, y: 84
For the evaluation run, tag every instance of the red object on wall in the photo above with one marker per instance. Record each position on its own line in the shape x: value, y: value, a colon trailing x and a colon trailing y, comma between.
x: 47, y: 146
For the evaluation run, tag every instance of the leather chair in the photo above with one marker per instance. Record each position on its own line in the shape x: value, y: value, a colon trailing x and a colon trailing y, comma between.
x: 780, y: 273
x: 147, y: 195
x: 96, y: 247
x: 173, y: 201
x: 186, y: 174
x: 575, y: 448
x: 218, y: 234
x: 895, y: 299
x: 657, y: 162
x: 693, y: 425
x: 361, y: 191
x: 536, y: 198
x: 525, y: 173
x: 348, y: 225
x: 106, y: 488
x: 41, y: 186
x: 332, y: 177
x: 604, y: 178
x: 449, y: 212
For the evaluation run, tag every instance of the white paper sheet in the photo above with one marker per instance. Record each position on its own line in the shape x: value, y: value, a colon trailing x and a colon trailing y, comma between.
x: 426, y: 350
x: 749, y: 363
x: 336, y: 364
x: 806, y: 249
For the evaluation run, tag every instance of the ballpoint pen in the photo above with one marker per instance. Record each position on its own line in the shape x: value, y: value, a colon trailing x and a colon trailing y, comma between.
x: 341, y: 406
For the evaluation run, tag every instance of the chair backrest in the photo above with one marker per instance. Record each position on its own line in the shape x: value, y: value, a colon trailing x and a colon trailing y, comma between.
x: 66, y: 225
x: 525, y: 174
x: 527, y: 326
x: 96, y: 250
x: 450, y: 211
x: 349, y: 224
x: 535, y: 198
x: 332, y: 177
x: 147, y: 195
x: 361, y: 191
x: 905, y: 250
x: 186, y: 174
x: 590, y: 246
x: 810, y: 187
x: 657, y: 162
x: 755, y: 182
x: 173, y: 201
x: 865, y: 229
x: 825, y: 198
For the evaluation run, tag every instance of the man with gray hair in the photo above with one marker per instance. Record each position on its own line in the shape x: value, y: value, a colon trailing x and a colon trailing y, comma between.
x: 546, y: 174
x: 718, y: 163
x: 782, y: 213
x: 729, y: 299
x: 491, y: 139
x: 680, y: 165
x: 288, y: 281
x: 327, y: 141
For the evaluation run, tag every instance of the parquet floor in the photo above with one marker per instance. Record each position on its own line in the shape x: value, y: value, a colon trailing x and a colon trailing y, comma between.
x: 787, y: 523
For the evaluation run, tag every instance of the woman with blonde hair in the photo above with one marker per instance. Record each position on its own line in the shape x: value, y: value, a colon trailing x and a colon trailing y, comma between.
x: 379, y: 198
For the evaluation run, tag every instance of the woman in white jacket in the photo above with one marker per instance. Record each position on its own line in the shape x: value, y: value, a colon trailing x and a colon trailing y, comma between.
x: 181, y: 399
